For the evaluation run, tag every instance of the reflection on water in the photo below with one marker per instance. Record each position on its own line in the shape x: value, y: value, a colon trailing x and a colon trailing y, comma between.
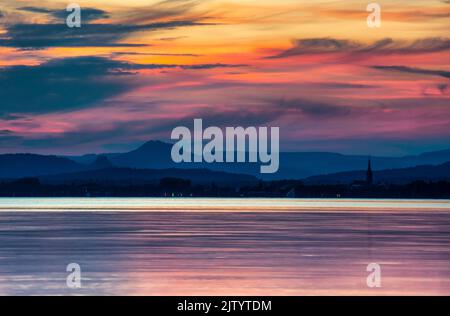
x: 224, y: 247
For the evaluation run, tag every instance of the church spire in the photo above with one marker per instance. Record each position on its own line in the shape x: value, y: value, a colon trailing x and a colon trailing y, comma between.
x: 369, y: 174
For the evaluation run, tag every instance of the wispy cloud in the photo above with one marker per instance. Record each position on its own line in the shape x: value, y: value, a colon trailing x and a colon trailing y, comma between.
x: 35, y: 36
x: 115, y: 54
x: 412, y: 70
x: 161, y: 11
x: 384, y: 46
x: 315, y: 109
x: 69, y: 83
x: 58, y: 85
x: 89, y: 14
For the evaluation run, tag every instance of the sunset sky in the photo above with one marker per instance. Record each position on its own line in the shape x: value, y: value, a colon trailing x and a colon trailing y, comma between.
x: 137, y: 69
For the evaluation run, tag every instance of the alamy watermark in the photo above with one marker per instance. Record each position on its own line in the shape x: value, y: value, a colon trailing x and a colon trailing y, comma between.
x: 74, y: 18
x: 374, y: 278
x: 73, y: 280
x: 229, y: 147
x: 374, y: 18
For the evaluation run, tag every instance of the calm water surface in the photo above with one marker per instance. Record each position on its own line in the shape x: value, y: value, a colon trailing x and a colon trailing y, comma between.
x: 224, y: 246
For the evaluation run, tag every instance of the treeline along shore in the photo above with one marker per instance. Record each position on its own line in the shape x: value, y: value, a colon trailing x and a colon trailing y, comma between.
x: 177, y: 187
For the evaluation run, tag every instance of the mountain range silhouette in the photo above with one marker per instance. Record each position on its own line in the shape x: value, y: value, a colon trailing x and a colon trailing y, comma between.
x: 153, y: 160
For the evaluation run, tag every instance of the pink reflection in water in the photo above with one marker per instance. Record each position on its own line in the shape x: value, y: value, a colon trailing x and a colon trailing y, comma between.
x: 228, y: 251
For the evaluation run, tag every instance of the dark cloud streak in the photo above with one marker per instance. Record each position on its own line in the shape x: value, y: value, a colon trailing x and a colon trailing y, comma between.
x: 39, y: 36
x: 411, y: 70
x: 384, y: 46
x: 58, y: 85
x: 87, y: 14
x: 70, y: 83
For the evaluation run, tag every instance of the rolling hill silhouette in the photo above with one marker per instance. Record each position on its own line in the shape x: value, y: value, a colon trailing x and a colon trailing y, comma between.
x: 30, y: 165
x: 156, y: 155
x: 392, y: 176
x: 293, y: 165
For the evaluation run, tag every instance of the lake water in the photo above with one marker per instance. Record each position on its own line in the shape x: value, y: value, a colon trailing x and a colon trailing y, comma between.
x: 224, y: 246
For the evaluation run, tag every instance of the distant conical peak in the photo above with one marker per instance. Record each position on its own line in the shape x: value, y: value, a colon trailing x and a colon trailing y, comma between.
x: 102, y: 162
